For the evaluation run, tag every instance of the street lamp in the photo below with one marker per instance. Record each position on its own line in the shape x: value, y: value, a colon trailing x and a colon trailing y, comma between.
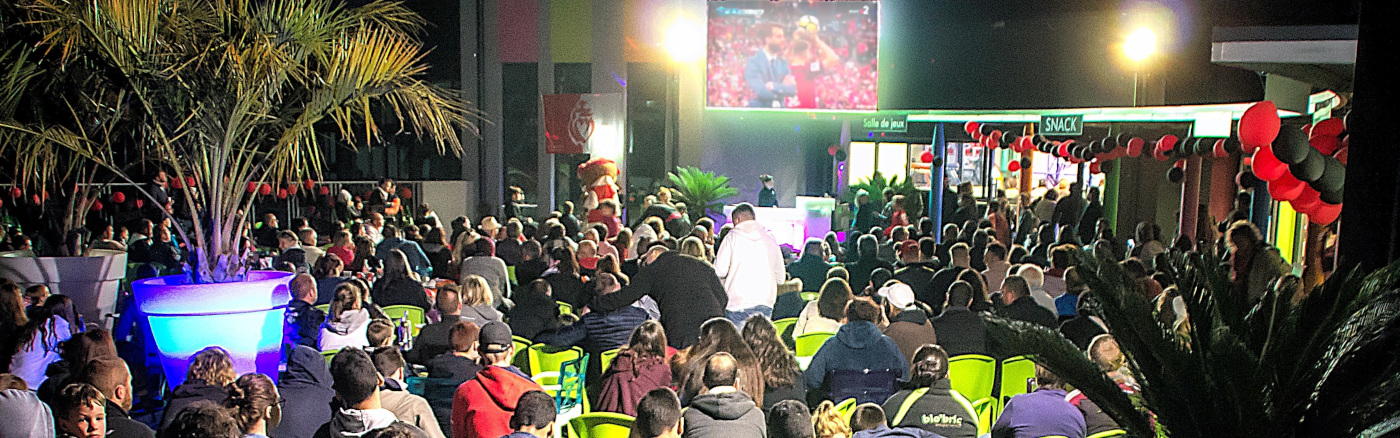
x: 684, y: 41
x: 1140, y: 45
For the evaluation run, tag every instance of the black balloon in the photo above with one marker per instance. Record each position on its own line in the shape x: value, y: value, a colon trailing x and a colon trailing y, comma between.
x: 1108, y: 144
x: 1026, y: 162
x: 937, y: 162
x: 986, y: 129
x: 1333, y: 177
x: 1246, y: 179
x: 1333, y: 197
x: 1310, y: 169
x: 1175, y: 174
x: 1291, y: 146
x: 1204, y: 146
x: 840, y: 155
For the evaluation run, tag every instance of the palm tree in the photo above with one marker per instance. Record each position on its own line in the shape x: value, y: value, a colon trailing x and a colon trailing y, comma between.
x: 704, y: 191
x: 226, y: 93
x: 1325, y: 366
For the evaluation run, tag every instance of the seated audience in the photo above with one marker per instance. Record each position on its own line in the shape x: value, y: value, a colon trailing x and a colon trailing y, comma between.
x: 909, y: 326
x: 289, y: 247
x: 78, y: 412
x: 359, y: 408
x: 476, y: 301
x: 414, y: 257
x: 1085, y: 325
x: 868, y: 421
x: 858, y: 345
x: 303, y: 319
x: 782, y: 378
x: 790, y: 419
x: 533, y: 417
x: 379, y: 334
x: 346, y: 322
x: 36, y: 344
x: 343, y: 247
x: 718, y: 335
x: 211, y: 370
x: 112, y: 379
x: 686, y: 290
x: 482, y: 407
x: 828, y: 422
x: 449, y: 370
x: 308, y: 238
x: 825, y: 313
x: 535, y: 311
x: 203, y: 419
x: 330, y: 273
x: 1016, y: 295
x: 811, y: 267
x: 1104, y: 353
x: 25, y: 416
x: 532, y: 263
x: 920, y: 265
x: 75, y: 354
x: 477, y: 258
x: 1067, y: 303
x: 394, y: 395
x: 600, y: 331
x: 658, y: 415
x: 931, y: 405
x: 254, y: 404
x: 306, y: 387
x: 723, y: 411
x: 1035, y: 281
x: 638, y: 368
x: 1043, y: 412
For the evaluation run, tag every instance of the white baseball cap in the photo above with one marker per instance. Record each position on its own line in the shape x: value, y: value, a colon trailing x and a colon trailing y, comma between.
x: 899, y: 294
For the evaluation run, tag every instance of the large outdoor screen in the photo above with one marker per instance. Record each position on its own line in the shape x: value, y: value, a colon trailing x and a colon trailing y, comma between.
x: 793, y: 54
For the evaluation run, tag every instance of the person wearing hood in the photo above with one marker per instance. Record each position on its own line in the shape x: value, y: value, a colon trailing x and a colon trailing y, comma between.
x: 358, y: 406
x: 25, y: 416
x: 482, y: 407
x: 858, y: 345
x: 750, y: 265
x: 394, y: 395
x: 306, y: 387
x: 868, y: 421
x: 909, y: 325
x: 723, y: 411
x: 210, y: 372
x: 346, y: 322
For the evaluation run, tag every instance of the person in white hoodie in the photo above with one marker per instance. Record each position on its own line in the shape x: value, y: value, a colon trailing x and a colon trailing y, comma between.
x: 750, y: 266
x: 346, y: 322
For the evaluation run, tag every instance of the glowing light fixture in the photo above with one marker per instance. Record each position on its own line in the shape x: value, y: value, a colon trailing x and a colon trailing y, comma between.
x: 685, y: 40
x: 1140, y: 44
x: 244, y: 318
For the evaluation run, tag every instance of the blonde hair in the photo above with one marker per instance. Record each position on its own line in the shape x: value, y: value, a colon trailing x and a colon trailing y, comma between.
x: 475, y: 291
x: 827, y: 422
x: 694, y: 247
x: 213, y: 366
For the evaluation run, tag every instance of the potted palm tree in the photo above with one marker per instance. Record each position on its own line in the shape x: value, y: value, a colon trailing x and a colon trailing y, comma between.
x: 703, y: 191
x: 229, y: 97
x: 1293, y: 365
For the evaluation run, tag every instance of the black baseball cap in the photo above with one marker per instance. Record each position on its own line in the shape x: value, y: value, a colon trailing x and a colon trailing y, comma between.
x: 495, y: 337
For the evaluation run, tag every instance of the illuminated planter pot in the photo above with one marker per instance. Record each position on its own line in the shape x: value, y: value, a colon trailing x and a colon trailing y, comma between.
x: 244, y: 318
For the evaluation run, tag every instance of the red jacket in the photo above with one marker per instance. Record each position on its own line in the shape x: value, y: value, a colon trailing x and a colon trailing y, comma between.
x: 481, y: 407
x: 628, y: 379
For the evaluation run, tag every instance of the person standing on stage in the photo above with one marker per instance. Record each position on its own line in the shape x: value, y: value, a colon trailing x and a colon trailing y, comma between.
x: 767, y: 197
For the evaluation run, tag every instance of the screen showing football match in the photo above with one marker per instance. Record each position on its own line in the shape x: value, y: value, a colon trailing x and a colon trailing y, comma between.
x: 792, y: 54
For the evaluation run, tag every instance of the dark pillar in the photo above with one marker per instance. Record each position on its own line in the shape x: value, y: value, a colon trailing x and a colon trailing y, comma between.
x: 1370, y: 221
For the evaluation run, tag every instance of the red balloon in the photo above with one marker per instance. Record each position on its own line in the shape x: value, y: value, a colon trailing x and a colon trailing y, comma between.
x: 1266, y: 166
x: 1096, y: 167
x: 831, y: 150
x: 1135, y: 147
x: 1247, y: 161
x: 1062, y: 150
x: 2, y: 203
x: 1166, y: 143
x: 1180, y: 164
x: 971, y: 127
x: 291, y: 189
x: 15, y: 192
x: 1325, y: 144
x: 324, y: 190
x: 1219, y: 149
x: 1307, y: 202
x: 35, y: 199
x: 174, y: 183
x: 405, y: 192
x: 265, y: 190
x: 281, y: 193
x: 1325, y: 214
x: 252, y: 187
x: 1341, y: 155
x: 926, y: 157
x: 1259, y: 125
x: 1159, y: 154
x: 140, y: 203
x: 1286, y: 188
x: 308, y: 183
x: 1332, y: 127
x: 96, y: 205
x: 1014, y: 166
x: 996, y: 138
x: 119, y: 197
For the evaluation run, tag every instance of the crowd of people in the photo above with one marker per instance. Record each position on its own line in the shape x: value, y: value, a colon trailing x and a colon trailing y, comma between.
x: 689, y: 307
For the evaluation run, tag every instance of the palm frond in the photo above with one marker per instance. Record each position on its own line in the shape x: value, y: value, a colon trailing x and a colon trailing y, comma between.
x: 702, y: 191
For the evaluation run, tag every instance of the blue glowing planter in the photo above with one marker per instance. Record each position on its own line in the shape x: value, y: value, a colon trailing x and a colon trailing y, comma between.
x: 244, y: 318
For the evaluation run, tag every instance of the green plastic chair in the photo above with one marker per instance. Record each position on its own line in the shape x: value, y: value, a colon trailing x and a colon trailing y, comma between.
x: 1017, y: 377
x: 782, y: 325
x: 544, y: 358
x: 973, y: 375
x: 565, y: 308
x: 510, y: 275
x: 607, y: 357
x: 329, y: 355
x: 1109, y: 433
x: 415, y: 316
x: 809, y: 296
x: 845, y: 409
x: 325, y: 308
x: 809, y: 343
x: 520, y: 360
x: 601, y: 425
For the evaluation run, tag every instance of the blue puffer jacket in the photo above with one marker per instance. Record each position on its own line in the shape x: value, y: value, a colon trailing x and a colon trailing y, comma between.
x: 597, y: 332
x: 858, y: 345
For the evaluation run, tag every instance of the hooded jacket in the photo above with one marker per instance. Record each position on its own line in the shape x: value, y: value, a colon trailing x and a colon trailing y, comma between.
x: 730, y: 414
x: 858, y: 345
x: 750, y: 266
x: 191, y: 391
x: 811, y: 269
x: 360, y: 422
x: 936, y: 409
x: 411, y: 409
x: 628, y: 379
x: 597, y: 332
x: 120, y: 424
x: 909, y: 330
x: 302, y: 324
x: 25, y: 416
x: 903, y: 432
x: 348, y: 332
x: 481, y: 407
x: 307, y: 388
